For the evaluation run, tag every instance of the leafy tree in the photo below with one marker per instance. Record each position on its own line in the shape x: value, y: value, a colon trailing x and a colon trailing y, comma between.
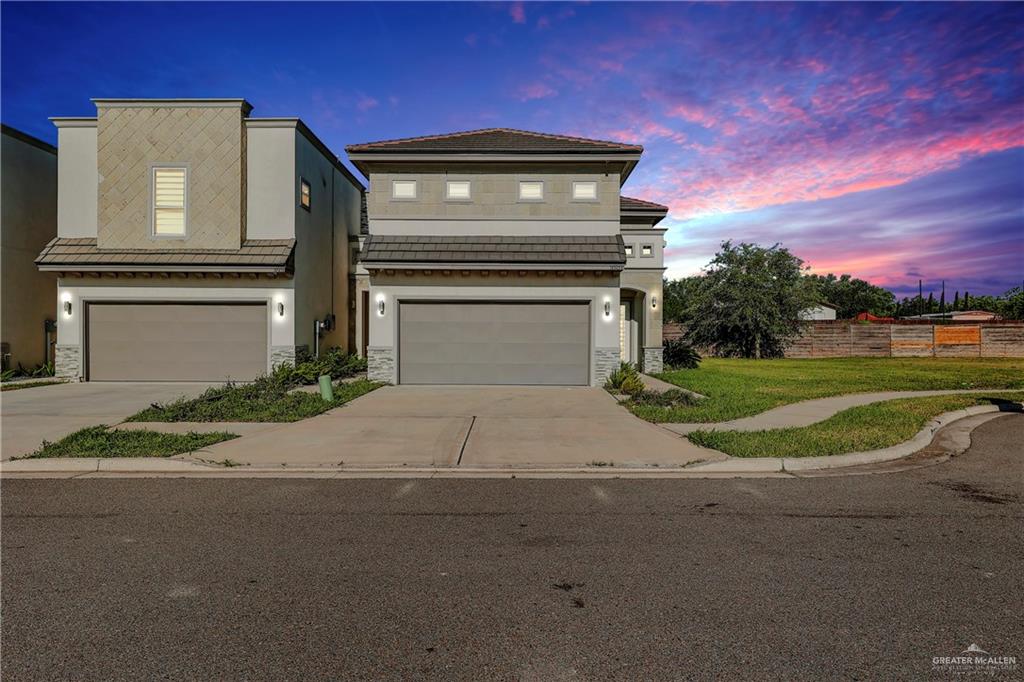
x: 748, y: 302
x: 851, y: 296
x: 676, y: 293
x: 956, y: 300
x: 1012, y: 305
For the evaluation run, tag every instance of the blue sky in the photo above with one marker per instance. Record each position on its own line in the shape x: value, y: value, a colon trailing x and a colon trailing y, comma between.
x: 881, y: 140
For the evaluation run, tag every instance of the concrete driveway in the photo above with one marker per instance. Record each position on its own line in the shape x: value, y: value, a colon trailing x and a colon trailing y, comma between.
x: 31, y: 415
x: 469, y: 426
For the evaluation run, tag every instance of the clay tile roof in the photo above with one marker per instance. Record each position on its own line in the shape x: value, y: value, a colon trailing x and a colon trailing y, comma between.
x: 82, y: 254
x: 601, y: 250
x: 494, y: 140
x: 631, y: 204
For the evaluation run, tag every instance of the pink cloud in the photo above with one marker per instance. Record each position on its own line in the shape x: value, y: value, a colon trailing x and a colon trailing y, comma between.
x: 693, y: 114
x: 517, y: 12
x: 534, y: 91
x: 364, y: 103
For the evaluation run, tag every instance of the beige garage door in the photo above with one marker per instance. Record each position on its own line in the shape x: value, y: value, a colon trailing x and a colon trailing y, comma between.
x: 494, y: 343
x: 176, y: 342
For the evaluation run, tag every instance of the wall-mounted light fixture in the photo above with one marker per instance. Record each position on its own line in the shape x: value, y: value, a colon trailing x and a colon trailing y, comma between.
x: 654, y: 301
x: 280, y: 309
x: 380, y: 306
x: 67, y: 308
x: 607, y: 308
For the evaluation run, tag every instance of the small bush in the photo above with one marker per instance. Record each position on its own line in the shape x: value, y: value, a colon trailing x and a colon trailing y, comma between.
x: 678, y: 354
x: 670, y: 398
x: 616, y: 378
x: 632, y: 385
x: 333, y: 362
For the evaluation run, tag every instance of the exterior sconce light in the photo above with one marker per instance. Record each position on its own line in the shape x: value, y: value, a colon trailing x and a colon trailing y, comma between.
x: 380, y: 307
x: 280, y: 309
x: 607, y: 308
x: 654, y: 301
x: 67, y: 308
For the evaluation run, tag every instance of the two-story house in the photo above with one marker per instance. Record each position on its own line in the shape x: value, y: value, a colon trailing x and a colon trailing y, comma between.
x: 196, y: 243
x: 506, y: 257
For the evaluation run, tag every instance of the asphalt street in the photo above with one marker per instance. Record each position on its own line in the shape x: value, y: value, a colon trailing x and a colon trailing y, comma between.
x: 854, y: 577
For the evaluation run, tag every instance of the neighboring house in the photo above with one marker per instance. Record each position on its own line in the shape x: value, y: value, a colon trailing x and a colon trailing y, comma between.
x: 821, y: 311
x: 500, y: 257
x: 974, y: 316
x: 195, y: 243
x: 28, y: 220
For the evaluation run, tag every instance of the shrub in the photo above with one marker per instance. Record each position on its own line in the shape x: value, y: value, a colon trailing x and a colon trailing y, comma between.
x: 678, y: 354
x: 670, y: 398
x: 334, y: 362
x: 616, y: 378
x: 632, y: 384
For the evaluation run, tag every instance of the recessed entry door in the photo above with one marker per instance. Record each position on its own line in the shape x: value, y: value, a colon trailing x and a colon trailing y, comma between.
x: 471, y: 342
x: 176, y: 341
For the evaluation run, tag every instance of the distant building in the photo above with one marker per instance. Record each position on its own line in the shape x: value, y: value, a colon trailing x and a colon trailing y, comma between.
x: 822, y: 311
x: 868, y: 317
x: 28, y: 220
x: 957, y: 316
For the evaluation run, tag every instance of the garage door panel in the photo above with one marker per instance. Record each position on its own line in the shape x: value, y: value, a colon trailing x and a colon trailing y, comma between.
x: 494, y: 343
x: 176, y: 342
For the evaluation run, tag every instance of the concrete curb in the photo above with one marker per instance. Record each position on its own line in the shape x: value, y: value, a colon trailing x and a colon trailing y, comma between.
x: 762, y: 467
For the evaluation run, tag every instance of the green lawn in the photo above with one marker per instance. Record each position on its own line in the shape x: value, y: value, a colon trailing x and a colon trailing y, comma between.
x: 868, y: 427
x: 264, y: 400
x: 99, y: 441
x: 742, y: 388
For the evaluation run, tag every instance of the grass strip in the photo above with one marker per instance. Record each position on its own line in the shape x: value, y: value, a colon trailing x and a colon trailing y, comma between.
x: 18, y: 385
x: 742, y: 388
x: 867, y: 427
x: 100, y: 441
x: 264, y: 400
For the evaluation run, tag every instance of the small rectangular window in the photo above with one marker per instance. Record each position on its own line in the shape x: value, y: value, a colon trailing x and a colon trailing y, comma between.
x: 584, y: 191
x: 629, y: 250
x: 304, y: 194
x: 169, y: 188
x: 646, y: 250
x: 531, y: 190
x: 458, y: 189
x: 403, y: 189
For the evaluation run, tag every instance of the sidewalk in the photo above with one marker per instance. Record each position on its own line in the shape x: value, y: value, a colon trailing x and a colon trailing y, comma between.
x: 945, y: 436
x: 809, y: 411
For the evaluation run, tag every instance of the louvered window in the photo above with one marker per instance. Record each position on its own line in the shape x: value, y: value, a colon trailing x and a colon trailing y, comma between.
x: 169, y: 201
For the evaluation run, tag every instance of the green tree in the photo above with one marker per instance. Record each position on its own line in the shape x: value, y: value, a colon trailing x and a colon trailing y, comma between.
x: 1011, y: 307
x: 956, y: 300
x: 850, y: 296
x: 748, y: 302
x: 676, y: 294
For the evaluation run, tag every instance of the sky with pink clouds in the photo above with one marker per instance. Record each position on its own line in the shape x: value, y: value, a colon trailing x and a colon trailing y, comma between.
x: 882, y: 140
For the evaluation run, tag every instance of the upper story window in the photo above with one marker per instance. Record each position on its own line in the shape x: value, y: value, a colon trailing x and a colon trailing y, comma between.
x: 403, y: 189
x: 629, y: 250
x: 169, y: 197
x: 457, y: 190
x: 584, y: 190
x: 305, y: 199
x: 531, y: 190
x: 646, y: 250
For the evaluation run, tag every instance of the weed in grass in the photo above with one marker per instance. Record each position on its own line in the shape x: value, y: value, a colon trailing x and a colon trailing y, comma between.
x: 100, y: 441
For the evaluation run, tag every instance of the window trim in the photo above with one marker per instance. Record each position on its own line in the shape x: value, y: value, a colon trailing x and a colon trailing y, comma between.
x: 645, y: 247
x: 303, y: 182
x: 153, y: 167
x: 629, y: 250
x: 584, y: 200
x: 447, y: 193
x: 526, y: 200
x: 415, y: 189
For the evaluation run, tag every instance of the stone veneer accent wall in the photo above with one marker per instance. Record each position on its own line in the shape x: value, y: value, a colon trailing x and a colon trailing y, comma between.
x: 653, y: 360
x: 280, y: 355
x: 209, y: 140
x: 67, y: 362
x: 606, y: 361
x: 380, y: 364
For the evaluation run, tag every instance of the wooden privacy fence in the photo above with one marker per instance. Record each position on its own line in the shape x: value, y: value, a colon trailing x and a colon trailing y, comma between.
x: 844, y: 339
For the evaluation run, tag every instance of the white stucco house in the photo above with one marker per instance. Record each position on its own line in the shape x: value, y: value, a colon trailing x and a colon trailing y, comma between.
x: 195, y: 242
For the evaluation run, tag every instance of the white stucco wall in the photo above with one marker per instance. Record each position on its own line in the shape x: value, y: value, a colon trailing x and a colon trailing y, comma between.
x: 271, y: 180
x: 637, y: 239
x: 821, y: 312
x: 77, y: 179
x: 604, y: 329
